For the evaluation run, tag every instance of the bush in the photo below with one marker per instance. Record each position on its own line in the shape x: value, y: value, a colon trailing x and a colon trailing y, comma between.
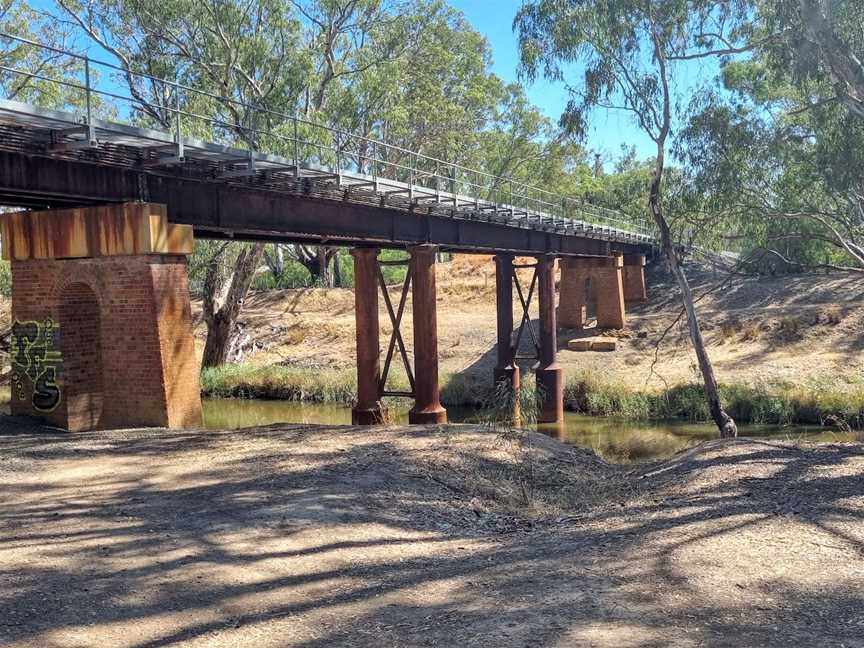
x: 5, y: 279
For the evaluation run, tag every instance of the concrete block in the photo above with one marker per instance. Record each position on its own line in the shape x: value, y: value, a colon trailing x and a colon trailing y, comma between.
x: 593, y: 344
x: 580, y: 345
x: 604, y: 344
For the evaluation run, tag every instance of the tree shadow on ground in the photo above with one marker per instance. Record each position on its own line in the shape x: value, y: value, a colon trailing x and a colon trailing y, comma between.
x: 312, y: 536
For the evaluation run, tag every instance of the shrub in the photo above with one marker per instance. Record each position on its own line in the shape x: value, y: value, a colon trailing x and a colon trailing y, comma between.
x: 5, y: 279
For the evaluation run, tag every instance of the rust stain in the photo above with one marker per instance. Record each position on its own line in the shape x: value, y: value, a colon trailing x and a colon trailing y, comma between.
x: 108, y: 230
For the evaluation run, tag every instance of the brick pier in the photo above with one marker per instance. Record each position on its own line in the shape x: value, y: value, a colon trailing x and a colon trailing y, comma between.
x: 102, y: 324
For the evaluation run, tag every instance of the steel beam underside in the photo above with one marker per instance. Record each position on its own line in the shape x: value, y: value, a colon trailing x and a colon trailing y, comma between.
x: 217, y: 210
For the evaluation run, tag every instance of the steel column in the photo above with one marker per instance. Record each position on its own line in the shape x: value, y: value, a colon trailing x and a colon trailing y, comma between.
x: 367, y: 410
x: 506, y: 372
x: 427, y: 404
x: 549, y: 374
x: 505, y: 368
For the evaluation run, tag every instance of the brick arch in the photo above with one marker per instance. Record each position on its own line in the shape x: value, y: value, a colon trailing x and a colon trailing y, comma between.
x: 80, y: 320
x: 77, y: 273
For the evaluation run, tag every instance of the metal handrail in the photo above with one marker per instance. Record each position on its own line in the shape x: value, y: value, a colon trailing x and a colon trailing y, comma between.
x: 484, y: 188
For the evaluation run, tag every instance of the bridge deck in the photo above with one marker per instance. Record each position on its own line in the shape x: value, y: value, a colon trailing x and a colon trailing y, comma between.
x: 47, y: 159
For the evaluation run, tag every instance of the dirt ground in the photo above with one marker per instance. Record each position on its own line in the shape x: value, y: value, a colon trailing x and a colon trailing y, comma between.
x: 792, y: 329
x: 315, y: 536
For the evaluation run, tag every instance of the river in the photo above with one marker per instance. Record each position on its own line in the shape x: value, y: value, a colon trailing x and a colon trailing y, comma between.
x: 614, y: 440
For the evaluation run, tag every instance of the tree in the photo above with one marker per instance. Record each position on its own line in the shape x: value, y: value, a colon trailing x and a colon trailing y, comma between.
x: 778, y: 152
x: 223, y: 301
x: 629, y: 49
x: 240, y: 55
x: 45, y: 66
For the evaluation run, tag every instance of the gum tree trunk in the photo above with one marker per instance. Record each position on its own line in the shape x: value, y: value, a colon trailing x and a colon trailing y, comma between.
x: 222, y: 305
x: 725, y: 423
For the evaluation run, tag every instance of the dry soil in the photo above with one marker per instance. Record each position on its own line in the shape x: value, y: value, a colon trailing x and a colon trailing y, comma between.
x: 314, y: 536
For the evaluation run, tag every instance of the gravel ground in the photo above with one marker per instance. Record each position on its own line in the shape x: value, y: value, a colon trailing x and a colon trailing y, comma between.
x: 340, y: 536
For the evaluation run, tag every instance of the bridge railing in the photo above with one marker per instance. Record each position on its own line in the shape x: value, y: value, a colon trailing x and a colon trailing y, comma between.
x: 49, y: 77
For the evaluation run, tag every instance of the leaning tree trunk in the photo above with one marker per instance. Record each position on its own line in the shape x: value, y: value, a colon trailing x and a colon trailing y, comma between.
x: 222, y: 305
x: 724, y: 422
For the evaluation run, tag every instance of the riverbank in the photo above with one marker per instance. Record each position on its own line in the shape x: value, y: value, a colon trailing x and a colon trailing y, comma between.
x: 787, y: 349
x: 821, y: 401
x: 411, y: 536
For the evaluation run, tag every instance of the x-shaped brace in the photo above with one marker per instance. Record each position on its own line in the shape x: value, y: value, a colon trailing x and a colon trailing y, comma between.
x: 526, y: 317
x: 396, y: 335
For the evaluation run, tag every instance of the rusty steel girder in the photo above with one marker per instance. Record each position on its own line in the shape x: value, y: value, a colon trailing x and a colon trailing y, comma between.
x: 246, y: 212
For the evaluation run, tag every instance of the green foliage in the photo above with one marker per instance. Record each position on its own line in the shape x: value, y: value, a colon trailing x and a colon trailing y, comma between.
x: 51, y: 70
x: 5, y: 279
x: 770, y: 403
x: 819, y: 401
x: 775, y: 153
x: 279, y: 383
x: 293, y: 275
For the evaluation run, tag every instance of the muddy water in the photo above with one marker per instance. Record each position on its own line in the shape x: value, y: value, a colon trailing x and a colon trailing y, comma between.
x: 614, y: 440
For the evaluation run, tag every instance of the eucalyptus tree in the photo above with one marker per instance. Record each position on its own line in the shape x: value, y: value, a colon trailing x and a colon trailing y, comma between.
x: 823, y: 42
x: 631, y: 52
x: 245, y: 61
x: 779, y: 152
x: 44, y: 68
x: 523, y: 146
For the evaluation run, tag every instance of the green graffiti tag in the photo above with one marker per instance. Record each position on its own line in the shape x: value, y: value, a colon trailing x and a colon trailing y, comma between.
x: 35, y: 361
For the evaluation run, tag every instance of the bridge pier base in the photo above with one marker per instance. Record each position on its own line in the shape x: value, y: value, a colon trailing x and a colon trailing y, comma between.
x: 367, y: 410
x: 574, y: 293
x: 608, y: 286
x: 634, y: 278
x: 427, y: 404
x: 102, y: 324
x: 549, y: 375
x: 597, y: 279
x: 506, y: 372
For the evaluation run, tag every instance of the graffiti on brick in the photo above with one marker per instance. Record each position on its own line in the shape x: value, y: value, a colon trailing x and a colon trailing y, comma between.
x: 35, y: 361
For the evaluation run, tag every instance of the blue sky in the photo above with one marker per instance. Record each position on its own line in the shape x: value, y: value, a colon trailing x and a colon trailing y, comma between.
x: 609, y: 129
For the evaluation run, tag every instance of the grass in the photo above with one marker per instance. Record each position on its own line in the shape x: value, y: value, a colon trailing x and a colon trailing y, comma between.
x: 781, y: 403
x: 279, y: 383
x: 812, y: 403
x: 276, y: 382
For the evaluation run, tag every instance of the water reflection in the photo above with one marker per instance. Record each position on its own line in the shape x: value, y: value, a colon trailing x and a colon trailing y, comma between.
x: 614, y: 440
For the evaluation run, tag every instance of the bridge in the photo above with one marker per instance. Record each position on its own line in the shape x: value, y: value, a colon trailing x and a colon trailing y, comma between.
x: 100, y: 299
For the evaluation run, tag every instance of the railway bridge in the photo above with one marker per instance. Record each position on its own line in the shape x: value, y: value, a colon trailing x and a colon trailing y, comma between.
x: 102, y: 327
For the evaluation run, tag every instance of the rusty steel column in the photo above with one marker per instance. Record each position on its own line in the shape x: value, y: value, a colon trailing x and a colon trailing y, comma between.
x: 505, y: 370
x: 549, y: 374
x: 367, y: 409
x: 427, y: 405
